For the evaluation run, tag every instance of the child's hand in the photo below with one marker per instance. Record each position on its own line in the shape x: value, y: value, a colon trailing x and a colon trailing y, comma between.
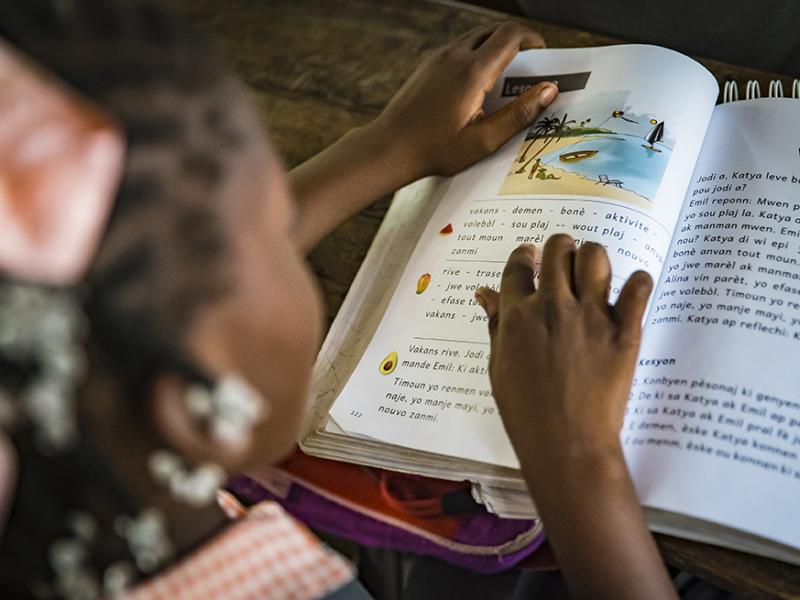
x: 433, y: 126
x: 561, y: 367
x: 437, y: 116
x: 562, y: 358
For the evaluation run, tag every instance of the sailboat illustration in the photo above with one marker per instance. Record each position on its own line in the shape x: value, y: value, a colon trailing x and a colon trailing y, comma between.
x: 655, y: 135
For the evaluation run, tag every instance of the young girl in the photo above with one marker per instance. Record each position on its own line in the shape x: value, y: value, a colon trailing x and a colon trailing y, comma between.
x: 158, y: 324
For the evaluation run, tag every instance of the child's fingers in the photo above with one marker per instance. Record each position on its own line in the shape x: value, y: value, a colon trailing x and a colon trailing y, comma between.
x: 629, y: 309
x: 555, y: 276
x: 490, y: 302
x: 592, y: 274
x: 503, y: 45
x: 517, y: 281
x: 519, y: 114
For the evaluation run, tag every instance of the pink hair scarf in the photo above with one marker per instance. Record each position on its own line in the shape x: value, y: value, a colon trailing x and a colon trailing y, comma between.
x: 61, y: 160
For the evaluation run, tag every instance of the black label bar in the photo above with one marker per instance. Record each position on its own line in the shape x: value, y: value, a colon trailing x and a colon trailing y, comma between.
x: 567, y: 82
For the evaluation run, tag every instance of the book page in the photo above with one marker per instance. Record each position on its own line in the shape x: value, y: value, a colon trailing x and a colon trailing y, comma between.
x: 713, y: 426
x: 609, y: 162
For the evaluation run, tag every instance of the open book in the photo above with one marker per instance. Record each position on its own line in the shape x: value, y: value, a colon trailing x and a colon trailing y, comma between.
x: 634, y: 155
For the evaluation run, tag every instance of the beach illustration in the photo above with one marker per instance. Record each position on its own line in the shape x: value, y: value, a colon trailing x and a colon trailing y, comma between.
x: 598, y: 147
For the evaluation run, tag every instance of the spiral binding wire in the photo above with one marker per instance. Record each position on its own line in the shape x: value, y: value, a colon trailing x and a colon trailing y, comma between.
x: 775, y: 89
x: 753, y: 90
x: 730, y: 91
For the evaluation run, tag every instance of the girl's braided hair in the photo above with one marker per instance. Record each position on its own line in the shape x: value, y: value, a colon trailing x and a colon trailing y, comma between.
x: 165, y: 250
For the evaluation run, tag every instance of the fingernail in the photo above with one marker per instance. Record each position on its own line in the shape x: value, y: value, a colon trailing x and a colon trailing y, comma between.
x: 480, y: 300
x: 547, y: 95
x: 643, y: 283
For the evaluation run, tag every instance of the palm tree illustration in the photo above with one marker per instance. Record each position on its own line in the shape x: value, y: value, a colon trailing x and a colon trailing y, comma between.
x: 556, y: 129
x: 543, y: 127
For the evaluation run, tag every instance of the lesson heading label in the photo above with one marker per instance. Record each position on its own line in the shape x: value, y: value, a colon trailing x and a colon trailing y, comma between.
x: 566, y: 82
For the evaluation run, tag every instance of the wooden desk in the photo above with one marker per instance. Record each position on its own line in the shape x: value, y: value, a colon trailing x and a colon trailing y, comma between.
x: 320, y: 67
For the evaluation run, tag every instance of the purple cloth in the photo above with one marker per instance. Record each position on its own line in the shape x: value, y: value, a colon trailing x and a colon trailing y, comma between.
x: 479, y: 529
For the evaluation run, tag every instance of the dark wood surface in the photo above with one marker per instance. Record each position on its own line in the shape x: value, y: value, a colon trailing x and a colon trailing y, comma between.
x: 318, y: 68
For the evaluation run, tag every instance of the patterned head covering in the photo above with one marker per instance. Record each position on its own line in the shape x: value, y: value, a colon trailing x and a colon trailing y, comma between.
x: 60, y: 164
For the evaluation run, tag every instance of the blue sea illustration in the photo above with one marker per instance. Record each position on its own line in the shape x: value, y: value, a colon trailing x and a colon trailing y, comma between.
x: 621, y: 159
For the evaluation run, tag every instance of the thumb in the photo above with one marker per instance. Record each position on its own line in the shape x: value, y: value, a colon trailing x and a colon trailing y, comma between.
x: 490, y: 302
x: 519, y: 114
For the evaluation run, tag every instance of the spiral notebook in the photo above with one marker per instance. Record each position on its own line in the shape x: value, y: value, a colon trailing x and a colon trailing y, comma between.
x: 633, y: 154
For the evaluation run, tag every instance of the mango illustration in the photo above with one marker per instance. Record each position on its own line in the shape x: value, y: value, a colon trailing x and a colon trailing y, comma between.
x: 422, y: 282
x: 388, y: 364
x: 446, y: 230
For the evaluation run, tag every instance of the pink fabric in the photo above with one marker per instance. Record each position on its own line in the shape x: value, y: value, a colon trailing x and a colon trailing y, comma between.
x: 60, y: 164
x: 266, y: 555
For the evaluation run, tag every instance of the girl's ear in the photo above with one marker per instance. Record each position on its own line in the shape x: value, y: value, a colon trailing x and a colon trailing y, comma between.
x: 185, y: 432
x: 60, y: 163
